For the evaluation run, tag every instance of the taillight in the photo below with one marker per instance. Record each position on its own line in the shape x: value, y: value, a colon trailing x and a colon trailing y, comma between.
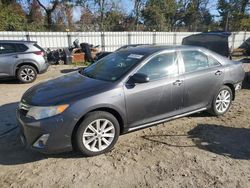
x: 39, y: 53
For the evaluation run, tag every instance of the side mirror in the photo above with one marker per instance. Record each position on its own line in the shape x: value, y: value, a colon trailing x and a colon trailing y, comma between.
x: 139, y: 78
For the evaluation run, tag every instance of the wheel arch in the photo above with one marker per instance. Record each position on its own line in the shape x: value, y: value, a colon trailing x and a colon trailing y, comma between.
x: 231, y: 86
x: 26, y: 63
x: 110, y: 110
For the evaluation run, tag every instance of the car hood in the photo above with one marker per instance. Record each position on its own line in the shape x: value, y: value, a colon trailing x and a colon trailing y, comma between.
x: 65, y: 89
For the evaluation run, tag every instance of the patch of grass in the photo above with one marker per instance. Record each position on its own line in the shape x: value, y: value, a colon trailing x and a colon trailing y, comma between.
x: 83, y: 64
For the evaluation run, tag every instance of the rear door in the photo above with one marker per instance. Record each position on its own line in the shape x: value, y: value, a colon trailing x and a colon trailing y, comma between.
x: 8, y: 58
x: 203, y: 76
x: 160, y: 97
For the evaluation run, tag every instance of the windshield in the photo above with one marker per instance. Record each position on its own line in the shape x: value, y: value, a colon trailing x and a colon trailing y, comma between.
x: 113, y: 66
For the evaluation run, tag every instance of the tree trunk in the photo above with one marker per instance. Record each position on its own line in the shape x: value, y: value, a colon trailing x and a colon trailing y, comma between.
x: 49, y: 20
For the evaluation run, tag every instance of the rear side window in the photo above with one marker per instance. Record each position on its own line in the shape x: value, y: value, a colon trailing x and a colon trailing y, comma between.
x: 213, y: 62
x: 194, y: 60
x: 6, y: 48
x: 39, y: 47
x: 160, y: 66
x: 21, y: 48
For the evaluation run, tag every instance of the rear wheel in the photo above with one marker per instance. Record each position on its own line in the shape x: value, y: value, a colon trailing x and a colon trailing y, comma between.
x: 26, y: 74
x: 222, y: 101
x: 97, y: 134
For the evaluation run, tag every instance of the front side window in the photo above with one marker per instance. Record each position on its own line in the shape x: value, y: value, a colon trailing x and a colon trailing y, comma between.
x: 161, y: 66
x: 194, y: 60
x: 7, y: 48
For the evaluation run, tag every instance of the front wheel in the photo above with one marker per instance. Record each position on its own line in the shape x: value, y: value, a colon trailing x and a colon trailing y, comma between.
x: 97, y: 134
x: 222, y: 101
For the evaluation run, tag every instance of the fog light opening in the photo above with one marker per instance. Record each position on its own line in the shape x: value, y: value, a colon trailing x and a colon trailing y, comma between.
x: 41, y: 142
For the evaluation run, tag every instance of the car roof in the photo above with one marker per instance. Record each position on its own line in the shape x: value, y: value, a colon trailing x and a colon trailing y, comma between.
x: 151, y: 49
x: 17, y: 41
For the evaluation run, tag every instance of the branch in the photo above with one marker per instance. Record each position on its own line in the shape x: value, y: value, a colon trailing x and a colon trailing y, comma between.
x: 41, y: 5
x: 46, y: 9
x: 54, y: 5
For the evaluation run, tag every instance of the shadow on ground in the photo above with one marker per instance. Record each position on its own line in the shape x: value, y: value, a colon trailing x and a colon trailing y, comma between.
x: 221, y: 140
x: 9, y: 80
x: 12, y: 152
x: 228, y: 141
x: 168, y: 140
x: 7, y: 118
x: 65, y: 71
x: 246, y: 82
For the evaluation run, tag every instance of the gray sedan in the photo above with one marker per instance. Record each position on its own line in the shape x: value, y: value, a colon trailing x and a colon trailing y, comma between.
x: 125, y: 91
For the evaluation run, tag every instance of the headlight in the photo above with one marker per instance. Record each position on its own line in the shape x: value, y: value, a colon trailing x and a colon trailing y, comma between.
x: 45, y: 112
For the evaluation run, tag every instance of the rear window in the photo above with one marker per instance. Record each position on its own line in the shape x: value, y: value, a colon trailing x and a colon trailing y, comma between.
x: 39, y: 47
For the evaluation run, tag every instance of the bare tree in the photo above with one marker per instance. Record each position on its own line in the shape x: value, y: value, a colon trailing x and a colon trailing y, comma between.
x: 138, y: 5
x: 49, y: 11
x: 101, y: 4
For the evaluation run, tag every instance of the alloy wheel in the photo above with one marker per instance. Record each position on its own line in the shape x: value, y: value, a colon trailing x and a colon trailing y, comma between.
x: 223, y: 101
x: 27, y: 74
x: 98, y: 135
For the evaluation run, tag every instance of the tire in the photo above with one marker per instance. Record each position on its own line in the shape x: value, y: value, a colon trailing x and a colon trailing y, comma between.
x: 26, y: 74
x: 220, y: 108
x: 89, y: 142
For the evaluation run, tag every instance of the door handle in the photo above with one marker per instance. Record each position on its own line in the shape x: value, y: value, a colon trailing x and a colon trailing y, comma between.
x: 15, y: 56
x: 177, y: 83
x: 218, y: 73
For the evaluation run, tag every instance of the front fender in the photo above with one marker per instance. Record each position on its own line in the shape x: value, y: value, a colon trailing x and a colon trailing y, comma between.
x: 26, y: 61
x: 80, y: 108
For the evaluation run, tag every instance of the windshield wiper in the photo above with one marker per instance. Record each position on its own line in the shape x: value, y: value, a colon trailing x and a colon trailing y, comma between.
x: 87, y: 74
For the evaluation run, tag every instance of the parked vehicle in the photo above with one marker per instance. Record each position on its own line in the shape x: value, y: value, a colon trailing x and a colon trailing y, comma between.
x: 22, y: 59
x: 215, y: 41
x: 244, y: 49
x: 128, y: 90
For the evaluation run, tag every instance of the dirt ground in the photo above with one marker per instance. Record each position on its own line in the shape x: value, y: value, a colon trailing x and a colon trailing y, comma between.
x: 195, y: 151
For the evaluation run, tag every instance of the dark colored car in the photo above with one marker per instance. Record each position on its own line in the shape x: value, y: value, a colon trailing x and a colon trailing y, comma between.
x: 215, y: 41
x: 125, y: 91
x: 22, y: 59
x: 246, y: 47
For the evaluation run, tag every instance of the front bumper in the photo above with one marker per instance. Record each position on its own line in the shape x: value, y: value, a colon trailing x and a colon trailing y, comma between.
x: 56, y: 130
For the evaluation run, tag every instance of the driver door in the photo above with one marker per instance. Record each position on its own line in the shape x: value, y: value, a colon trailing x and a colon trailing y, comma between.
x: 152, y: 101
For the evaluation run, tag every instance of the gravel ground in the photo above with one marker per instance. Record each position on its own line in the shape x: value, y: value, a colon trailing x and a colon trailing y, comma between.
x: 195, y: 151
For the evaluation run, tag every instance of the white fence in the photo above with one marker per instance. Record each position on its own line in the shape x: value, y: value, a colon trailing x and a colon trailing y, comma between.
x: 110, y: 41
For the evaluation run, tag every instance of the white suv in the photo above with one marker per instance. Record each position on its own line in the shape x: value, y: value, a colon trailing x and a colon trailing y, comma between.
x: 22, y: 59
